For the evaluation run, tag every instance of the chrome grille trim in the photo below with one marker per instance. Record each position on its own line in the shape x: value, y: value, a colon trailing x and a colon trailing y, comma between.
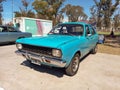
x: 37, y: 49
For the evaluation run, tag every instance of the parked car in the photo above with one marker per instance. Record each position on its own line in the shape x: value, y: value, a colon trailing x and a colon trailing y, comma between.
x: 101, y: 39
x: 63, y: 47
x: 11, y: 34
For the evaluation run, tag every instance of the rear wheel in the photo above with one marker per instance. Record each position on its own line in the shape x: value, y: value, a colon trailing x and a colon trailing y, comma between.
x: 74, y: 65
x: 94, y: 50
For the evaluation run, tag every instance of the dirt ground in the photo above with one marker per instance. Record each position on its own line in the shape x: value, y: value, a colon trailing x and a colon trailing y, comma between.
x: 109, y: 49
x: 96, y: 72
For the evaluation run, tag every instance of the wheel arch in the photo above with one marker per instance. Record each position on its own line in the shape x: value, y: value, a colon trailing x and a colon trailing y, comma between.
x: 77, y: 52
x: 20, y: 37
x: 73, y: 66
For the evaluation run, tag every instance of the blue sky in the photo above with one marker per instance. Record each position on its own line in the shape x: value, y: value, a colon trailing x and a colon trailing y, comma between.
x: 7, y: 7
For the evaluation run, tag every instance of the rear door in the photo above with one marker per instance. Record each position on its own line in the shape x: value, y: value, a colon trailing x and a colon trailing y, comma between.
x: 94, y: 36
x: 87, y: 40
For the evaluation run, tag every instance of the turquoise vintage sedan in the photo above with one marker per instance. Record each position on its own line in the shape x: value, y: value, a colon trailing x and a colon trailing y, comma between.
x: 63, y: 47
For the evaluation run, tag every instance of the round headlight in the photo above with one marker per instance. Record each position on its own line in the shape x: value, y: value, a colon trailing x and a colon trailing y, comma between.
x: 56, y: 53
x: 19, y: 46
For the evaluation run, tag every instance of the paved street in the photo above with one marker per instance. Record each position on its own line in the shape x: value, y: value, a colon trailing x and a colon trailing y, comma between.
x: 96, y: 72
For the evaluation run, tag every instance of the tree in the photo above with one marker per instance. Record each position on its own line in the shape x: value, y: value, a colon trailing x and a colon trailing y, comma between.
x: 59, y: 18
x: 24, y: 12
x: 41, y: 8
x: 105, y: 10
x: 1, y: 10
x: 116, y: 21
x: 74, y: 12
x: 67, y: 11
x: 47, y: 9
x: 93, y: 11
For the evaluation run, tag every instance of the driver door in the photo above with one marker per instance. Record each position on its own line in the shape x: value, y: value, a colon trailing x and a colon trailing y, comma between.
x: 89, y: 38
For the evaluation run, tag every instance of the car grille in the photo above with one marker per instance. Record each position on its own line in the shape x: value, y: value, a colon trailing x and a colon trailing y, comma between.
x: 37, y: 49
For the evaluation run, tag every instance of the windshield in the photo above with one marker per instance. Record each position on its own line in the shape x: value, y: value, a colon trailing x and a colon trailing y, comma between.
x: 13, y: 29
x: 68, y: 29
x: 8, y: 29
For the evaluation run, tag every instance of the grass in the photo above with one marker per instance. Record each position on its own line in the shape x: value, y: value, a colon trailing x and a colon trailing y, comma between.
x: 108, y: 33
x: 109, y: 47
x: 104, y: 48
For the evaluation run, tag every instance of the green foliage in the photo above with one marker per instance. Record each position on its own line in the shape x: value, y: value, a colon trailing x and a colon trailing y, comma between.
x: 47, y: 9
x: 24, y: 12
x: 41, y: 8
x: 1, y: 10
x: 116, y: 21
x: 74, y: 12
x: 108, y: 33
x: 105, y: 10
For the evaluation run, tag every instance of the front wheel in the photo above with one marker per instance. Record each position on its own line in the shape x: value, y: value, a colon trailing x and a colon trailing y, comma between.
x: 74, y: 65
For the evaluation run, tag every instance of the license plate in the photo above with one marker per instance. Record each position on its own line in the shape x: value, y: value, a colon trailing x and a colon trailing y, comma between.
x: 35, y: 62
x: 34, y: 59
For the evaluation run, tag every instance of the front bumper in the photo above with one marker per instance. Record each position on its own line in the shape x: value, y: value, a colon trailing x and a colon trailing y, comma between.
x: 41, y: 59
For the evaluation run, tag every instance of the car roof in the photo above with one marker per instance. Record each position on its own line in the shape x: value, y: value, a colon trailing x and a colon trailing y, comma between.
x: 83, y: 23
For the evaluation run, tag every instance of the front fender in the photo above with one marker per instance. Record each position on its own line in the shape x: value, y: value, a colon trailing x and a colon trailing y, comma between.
x: 69, y: 50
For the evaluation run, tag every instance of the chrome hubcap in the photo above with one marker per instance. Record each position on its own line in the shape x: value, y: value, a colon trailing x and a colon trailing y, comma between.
x: 75, y: 64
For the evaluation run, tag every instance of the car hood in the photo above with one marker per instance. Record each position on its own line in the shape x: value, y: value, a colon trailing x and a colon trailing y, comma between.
x: 53, y: 41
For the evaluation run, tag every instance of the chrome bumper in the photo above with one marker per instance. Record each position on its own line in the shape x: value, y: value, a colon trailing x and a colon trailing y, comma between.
x: 41, y: 59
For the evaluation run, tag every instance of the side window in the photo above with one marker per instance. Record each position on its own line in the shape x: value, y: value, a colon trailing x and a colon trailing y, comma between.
x: 1, y: 29
x: 92, y: 30
x: 10, y: 29
x: 4, y: 29
x: 77, y: 30
x: 87, y: 31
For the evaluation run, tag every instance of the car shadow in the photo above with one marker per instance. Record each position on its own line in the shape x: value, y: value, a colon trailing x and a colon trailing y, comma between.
x: 59, y: 72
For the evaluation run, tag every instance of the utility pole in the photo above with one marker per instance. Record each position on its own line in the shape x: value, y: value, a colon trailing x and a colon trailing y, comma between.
x: 12, y: 10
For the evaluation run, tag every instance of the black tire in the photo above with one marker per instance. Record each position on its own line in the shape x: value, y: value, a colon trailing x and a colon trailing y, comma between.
x: 26, y: 63
x: 73, y: 66
x: 94, y: 50
x: 29, y: 61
